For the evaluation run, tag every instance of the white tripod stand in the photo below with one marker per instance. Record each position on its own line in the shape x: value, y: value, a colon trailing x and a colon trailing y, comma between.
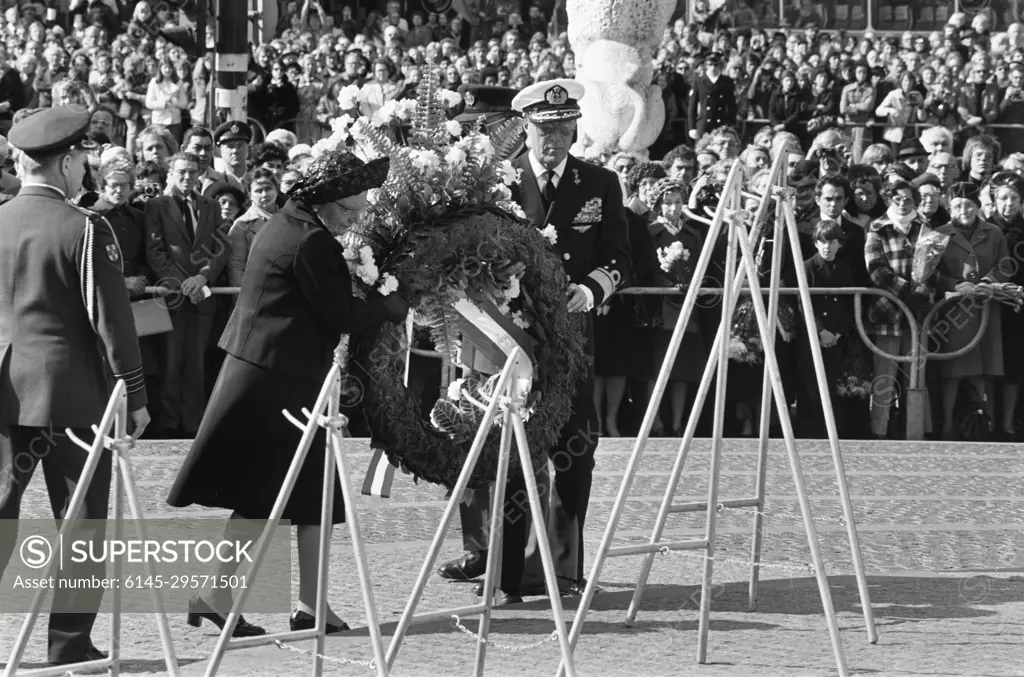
x: 326, y: 414
x: 508, y: 398
x: 115, y: 418
x: 739, y: 248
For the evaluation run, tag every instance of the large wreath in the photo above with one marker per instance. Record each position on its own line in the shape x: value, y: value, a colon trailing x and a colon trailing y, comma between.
x: 441, y: 229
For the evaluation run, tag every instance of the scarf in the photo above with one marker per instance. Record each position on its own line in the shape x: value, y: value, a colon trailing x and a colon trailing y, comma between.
x: 900, y: 223
x: 260, y: 212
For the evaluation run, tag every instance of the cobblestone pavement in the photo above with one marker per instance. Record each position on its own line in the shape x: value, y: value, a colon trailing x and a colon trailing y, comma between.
x: 941, y: 528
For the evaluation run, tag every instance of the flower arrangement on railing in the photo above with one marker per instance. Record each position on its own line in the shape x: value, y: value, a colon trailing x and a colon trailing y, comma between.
x: 443, y: 230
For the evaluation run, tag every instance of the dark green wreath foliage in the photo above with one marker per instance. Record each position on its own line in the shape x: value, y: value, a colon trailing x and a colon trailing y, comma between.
x: 433, y: 258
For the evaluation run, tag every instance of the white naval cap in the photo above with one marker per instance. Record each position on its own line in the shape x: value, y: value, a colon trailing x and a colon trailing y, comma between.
x: 550, y: 100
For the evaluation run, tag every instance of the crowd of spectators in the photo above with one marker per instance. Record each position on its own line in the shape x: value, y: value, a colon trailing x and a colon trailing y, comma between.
x: 884, y: 135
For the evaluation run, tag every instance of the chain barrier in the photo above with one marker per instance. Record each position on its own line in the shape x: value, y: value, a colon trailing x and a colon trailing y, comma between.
x: 800, y: 568
x: 457, y: 624
x: 370, y: 664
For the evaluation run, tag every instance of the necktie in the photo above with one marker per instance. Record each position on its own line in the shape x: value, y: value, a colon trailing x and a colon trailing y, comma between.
x: 188, y: 215
x: 548, y: 191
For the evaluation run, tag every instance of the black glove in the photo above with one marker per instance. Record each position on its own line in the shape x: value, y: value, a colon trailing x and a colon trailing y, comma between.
x: 396, y: 308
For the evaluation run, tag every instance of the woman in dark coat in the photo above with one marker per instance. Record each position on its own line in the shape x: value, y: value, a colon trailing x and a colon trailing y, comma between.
x: 295, y: 304
x: 667, y: 199
x: 977, y: 252
x: 1007, y: 191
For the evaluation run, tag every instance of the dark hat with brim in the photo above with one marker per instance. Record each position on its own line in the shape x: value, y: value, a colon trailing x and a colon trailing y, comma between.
x: 218, y: 188
x: 1011, y: 180
x: 965, y: 191
x: 493, y: 102
x: 52, y: 131
x: 910, y: 148
x: 713, y: 58
x: 233, y: 130
x: 927, y: 179
x: 337, y: 175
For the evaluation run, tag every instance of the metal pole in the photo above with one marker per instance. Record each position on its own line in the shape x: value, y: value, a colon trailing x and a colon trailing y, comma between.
x: 232, y: 62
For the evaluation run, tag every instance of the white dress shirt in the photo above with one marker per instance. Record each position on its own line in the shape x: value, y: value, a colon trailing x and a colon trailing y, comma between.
x: 538, y: 171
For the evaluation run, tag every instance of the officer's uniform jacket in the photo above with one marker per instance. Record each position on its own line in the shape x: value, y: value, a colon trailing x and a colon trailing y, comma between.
x: 589, y: 220
x: 712, y: 104
x: 64, y: 311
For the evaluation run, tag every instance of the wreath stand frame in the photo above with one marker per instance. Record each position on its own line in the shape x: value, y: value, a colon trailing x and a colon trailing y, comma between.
x: 123, y: 484
x: 325, y: 414
x: 508, y: 398
x: 739, y: 247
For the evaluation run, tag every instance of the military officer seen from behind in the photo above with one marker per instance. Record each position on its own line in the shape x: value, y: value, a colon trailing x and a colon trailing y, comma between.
x: 64, y: 321
x: 713, y: 99
x: 584, y: 204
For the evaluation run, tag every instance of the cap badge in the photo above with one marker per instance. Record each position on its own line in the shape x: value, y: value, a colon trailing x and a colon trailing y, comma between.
x: 469, y: 99
x: 234, y: 129
x: 556, y: 96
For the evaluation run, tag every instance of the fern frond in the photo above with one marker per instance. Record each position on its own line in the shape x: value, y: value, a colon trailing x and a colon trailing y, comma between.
x: 507, y: 138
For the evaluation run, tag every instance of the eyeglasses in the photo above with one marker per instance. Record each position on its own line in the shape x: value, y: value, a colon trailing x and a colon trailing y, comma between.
x: 901, y: 200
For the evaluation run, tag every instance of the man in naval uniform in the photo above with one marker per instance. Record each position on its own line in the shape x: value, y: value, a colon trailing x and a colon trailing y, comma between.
x: 713, y: 99
x: 584, y: 204
x: 489, y: 107
x: 64, y: 321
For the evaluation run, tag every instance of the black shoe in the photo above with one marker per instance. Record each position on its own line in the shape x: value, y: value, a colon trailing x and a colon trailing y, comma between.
x: 198, y: 609
x: 566, y: 588
x: 501, y: 598
x: 466, y: 568
x: 300, y: 620
x: 91, y: 654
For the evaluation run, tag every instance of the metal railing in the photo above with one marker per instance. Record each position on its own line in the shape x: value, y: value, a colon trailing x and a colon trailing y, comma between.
x: 920, y: 332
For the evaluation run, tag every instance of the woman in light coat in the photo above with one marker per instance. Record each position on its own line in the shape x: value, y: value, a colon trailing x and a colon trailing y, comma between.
x: 166, y: 98
x: 901, y: 107
x: 263, y: 192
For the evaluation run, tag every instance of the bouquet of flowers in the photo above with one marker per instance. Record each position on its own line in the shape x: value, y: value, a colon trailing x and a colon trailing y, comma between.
x: 851, y: 385
x: 670, y: 255
x: 1003, y: 292
x: 929, y: 249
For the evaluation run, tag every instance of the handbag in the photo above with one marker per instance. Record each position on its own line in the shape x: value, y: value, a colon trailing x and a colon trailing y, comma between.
x: 151, y: 317
x: 971, y: 423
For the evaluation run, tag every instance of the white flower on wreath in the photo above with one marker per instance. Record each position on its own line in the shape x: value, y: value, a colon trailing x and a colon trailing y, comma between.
x: 449, y: 97
x: 513, y: 288
x: 405, y: 108
x: 454, y: 128
x: 519, y: 320
x: 456, y: 156
x: 502, y: 193
x: 425, y: 160
x: 455, y: 389
x: 331, y: 143
x: 388, y: 285
x: 513, y: 208
x: 550, y: 233
x: 385, y: 115
x: 350, y: 96
x: 361, y: 264
x: 509, y: 174
x: 342, y: 123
